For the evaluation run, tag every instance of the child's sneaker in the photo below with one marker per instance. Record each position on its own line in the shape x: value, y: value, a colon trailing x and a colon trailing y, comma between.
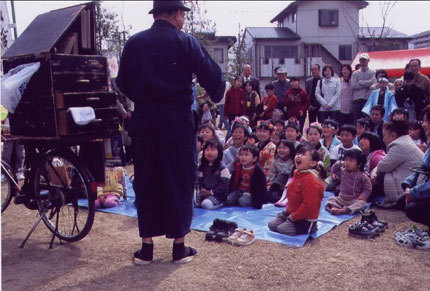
x: 370, y: 217
x: 247, y: 238
x: 364, y: 230
x: 213, y: 230
x: 423, y: 243
x: 227, y: 228
x: 406, y: 239
x: 237, y: 233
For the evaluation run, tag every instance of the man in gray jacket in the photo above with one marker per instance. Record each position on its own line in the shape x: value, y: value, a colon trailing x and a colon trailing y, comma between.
x: 361, y: 81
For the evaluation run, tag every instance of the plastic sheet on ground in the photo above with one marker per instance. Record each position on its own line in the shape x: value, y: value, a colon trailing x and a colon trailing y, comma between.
x: 245, y: 217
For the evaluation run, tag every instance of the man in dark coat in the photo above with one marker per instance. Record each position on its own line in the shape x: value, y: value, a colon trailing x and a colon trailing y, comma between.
x: 282, y: 85
x: 311, y: 86
x: 246, y: 74
x: 156, y: 73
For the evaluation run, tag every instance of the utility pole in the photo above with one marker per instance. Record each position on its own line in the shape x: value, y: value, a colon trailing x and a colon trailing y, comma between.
x: 12, y: 5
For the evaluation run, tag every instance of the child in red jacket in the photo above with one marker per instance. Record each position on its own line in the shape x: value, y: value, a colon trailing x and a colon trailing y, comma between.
x: 297, y: 102
x: 269, y: 103
x: 304, y: 194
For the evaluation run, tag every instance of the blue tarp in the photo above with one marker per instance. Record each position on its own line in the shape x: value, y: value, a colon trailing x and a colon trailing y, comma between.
x: 245, y: 217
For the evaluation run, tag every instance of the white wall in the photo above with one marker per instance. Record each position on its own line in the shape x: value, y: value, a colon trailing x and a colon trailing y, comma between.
x: 331, y: 37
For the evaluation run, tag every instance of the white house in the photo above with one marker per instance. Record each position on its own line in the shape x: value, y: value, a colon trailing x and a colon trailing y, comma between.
x: 307, y: 32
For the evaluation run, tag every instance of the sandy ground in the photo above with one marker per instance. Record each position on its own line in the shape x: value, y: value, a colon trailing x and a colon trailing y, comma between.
x: 103, y: 260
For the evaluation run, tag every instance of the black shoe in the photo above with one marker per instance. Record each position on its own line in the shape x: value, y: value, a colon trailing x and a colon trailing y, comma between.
x: 370, y: 217
x: 364, y: 230
x: 213, y: 229
x: 182, y: 254
x: 227, y: 229
x: 144, y: 255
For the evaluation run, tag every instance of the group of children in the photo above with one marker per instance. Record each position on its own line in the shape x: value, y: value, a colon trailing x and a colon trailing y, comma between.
x: 251, y: 170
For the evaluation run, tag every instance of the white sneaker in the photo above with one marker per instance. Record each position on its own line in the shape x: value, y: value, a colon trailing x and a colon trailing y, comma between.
x: 423, y: 243
x: 19, y: 176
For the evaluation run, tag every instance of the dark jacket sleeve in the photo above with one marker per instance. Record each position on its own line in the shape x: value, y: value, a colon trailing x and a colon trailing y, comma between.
x: 207, y: 70
x: 309, y: 86
x: 304, y: 100
x: 221, y: 189
x: 258, y: 188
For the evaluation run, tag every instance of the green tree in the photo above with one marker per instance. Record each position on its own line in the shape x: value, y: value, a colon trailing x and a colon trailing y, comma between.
x: 238, y: 58
x: 198, y: 24
x: 110, y: 39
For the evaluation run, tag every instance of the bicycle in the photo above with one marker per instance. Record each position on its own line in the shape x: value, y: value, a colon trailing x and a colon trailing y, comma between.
x: 58, y: 185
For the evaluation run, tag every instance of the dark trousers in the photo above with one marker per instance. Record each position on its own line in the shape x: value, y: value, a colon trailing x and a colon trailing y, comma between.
x: 323, y: 115
x: 419, y: 211
x: 165, y: 168
x: 313, y: 115
x: 344, y: 119
x: 357, y: 105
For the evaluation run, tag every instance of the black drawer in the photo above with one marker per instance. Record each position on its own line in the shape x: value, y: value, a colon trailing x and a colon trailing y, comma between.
x: 80, y: 82
x: 95, y: 100
x: 78, y: 63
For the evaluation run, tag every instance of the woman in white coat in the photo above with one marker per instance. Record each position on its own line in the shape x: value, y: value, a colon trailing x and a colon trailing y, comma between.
x: 327, y: 93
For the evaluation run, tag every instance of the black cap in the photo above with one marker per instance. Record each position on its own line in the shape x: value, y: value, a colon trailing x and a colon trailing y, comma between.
x: 159, y: 5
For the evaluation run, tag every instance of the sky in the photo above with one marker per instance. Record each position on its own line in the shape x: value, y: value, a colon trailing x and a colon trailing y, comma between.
x: 410, y: 17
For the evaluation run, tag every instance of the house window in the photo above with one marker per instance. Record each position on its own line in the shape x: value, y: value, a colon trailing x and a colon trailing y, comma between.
x: 280, y: 52
x: 328, y: 17
x: 219, y: 55
x: 345, y: 52
x: 294, y: 17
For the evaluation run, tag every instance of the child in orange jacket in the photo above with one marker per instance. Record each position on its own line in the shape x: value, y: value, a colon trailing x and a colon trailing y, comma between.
x: 304, y: 194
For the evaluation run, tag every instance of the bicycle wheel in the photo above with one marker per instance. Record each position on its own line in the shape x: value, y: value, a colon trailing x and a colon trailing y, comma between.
x: 8, y: 189
x: 64, y: 196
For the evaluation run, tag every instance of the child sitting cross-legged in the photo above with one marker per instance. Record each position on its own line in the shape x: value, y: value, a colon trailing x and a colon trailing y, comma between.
x: 248, y: 182
x: 280, y: 170
x: 355, y: 185
x: 304, y: 193
x: 213, y: 177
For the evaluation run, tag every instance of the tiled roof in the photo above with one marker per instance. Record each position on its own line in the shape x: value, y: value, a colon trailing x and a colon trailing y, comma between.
x: 272, y: 33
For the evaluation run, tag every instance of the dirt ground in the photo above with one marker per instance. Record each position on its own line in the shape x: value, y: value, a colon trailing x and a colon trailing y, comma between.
x: 103, y: 260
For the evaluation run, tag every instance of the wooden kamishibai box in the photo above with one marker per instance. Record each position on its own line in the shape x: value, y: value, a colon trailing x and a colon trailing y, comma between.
x: 71, y: 74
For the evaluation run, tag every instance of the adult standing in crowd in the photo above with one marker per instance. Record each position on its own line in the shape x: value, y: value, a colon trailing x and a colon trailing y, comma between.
x: 246, y: 74
x: 361, y: 81
x: 252, y: 101
x: 328, y: 93
x: 410, y: 96
x: 345, y: 98
x: 156, y: 73
x: 281, y: 85
x: 382, y: 96
x: 402, y: 155
x: 379, y: 74
x: 311, y: 86
x: 421, y: 80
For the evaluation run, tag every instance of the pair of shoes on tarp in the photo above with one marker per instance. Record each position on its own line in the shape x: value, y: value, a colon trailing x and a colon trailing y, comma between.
x: 369, y: 226
x: 413, y: 237
x: 242, y: 237
x: 220, y: 230
x: 181, y: 254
